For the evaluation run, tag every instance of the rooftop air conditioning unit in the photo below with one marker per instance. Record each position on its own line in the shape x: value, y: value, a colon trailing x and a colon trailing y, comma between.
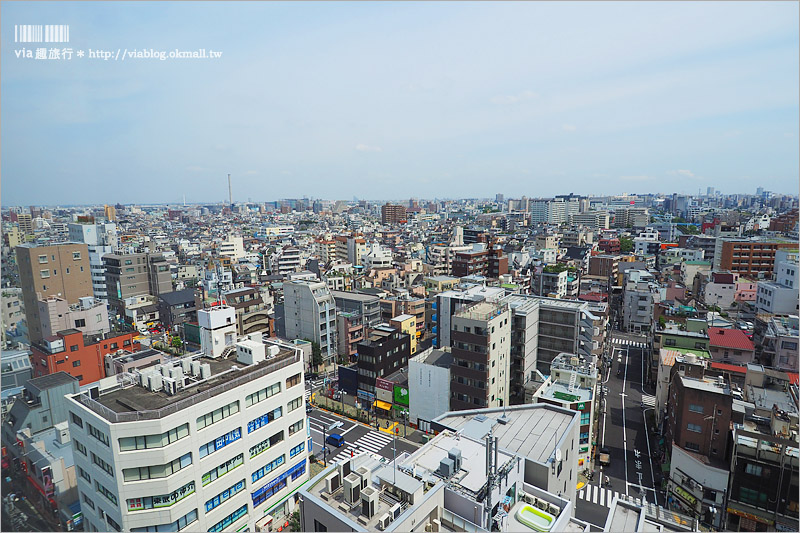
x: 333, y: 482
x: 205, y: 371
x: 395, y: 511
x: 170, y: 386
x: 272, y: 351
x: 446, y: 467
x: 384, y: 521
x: 455, y: 455
x: 155, y: 382
x: 364, y: 473
x: 194, y: 368
x: 369, y: 502
x: 352, y: 488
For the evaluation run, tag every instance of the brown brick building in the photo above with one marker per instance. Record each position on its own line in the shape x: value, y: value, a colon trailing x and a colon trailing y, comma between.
x: 60, y: 270
x: 491, y: 263
x: 749, y: 258
x: 392, y: 213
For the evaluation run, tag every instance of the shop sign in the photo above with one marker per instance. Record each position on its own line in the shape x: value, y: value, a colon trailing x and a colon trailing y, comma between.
x: 685, y: 495
x: 749, y: 516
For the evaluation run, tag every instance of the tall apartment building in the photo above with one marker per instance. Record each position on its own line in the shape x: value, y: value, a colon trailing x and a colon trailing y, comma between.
x: 203, y: 445
x: 392, y: 213
x: 448, y: 302
x: 554, y: 210
x: 565, y: 326
x: 750, y: 258
x: 60, y: 270
x: 310, y: 313
x: 762, y: 493
x: 481, y: 261
x: 129, y: 275
x: 639, y: 300
x: 524, y: 343
x: 366, y: 305
x: 481, y: 349
x: 591, y: 219
x: 101, y: 239
x: 386, y: 350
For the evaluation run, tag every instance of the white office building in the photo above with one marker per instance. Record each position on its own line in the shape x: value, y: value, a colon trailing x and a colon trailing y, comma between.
x: 199, y: 444
x: 310, y: 313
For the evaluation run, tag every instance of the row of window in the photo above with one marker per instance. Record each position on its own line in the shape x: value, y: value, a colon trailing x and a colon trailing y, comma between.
x: 267, y: 468
x: 273, y: 487
x: 76, y: 256
x: 105, y: 492
x: 297, y: 426
x: 157, y: 471
x: 263, y: 420
x: 158, y: 502
x: 217, y: 414
x: 145, y: 442
x: 97, y: 434
x: 220, y: 442
x: 103, y: 465
x: 225, y: 523
x: 263, y: 394
x: 297, y: 449
x: 177, y: 525
x: 266, y: 444
x: 223, y: 496
x: 222, y: 469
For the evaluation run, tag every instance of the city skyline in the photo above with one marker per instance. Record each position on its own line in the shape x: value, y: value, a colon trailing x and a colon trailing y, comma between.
x: 396, y: 100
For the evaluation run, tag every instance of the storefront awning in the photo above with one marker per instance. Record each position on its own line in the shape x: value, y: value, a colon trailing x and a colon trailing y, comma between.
x: 380, y: 404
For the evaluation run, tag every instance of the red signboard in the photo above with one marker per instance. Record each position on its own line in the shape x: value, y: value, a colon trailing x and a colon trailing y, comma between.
x: 384, y: 384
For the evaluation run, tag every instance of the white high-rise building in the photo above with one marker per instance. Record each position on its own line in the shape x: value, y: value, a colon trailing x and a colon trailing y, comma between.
x: 199, y: 445
x: 310, y: 313
x: 101, y: 239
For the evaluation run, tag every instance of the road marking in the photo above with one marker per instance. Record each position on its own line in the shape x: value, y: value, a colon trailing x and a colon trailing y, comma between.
x: 624, y: 430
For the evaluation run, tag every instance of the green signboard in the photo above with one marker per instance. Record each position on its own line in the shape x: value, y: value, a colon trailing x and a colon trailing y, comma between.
x: 401, y: 395
x: 581, y: 406
x: 567, y: 397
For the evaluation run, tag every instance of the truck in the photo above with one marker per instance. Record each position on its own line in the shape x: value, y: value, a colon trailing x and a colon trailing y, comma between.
x: 605, y: 457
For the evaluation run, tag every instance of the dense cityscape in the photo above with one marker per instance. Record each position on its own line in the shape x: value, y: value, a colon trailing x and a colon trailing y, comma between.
x: 572, y: 363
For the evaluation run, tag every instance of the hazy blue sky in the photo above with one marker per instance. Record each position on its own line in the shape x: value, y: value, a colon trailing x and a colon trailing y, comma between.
x: 394, y: 100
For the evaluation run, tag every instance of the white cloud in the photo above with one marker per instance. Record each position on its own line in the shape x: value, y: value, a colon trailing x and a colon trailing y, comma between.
x: 687, y: 173
x: 195, y: 168
x: 250, y: 172
x: 366, y: 148
x: 514, y: 99
x: 568, y: 127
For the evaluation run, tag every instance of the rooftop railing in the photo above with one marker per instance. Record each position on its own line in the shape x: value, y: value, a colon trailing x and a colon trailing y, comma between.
x: 156, y: 414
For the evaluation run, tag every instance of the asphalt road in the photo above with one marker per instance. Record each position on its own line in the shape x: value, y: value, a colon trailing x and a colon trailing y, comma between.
x: 622, y: 431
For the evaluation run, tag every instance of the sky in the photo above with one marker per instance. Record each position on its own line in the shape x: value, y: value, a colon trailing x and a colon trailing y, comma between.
x: 385, y: 100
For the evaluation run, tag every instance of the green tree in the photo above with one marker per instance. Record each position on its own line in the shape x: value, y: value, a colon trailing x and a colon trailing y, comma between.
x: 294, y: 521
x: 177, y: 343
x: 316, y: 356
x: 625, y: 244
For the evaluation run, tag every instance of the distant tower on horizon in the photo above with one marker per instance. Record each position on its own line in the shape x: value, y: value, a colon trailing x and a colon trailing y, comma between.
x: 230, y: 191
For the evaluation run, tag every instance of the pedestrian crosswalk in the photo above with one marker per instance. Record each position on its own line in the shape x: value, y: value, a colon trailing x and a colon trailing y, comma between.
x: 648, y: 400
x: 308, y: 395
x: 604, y: 497
x: 628, y: 342
x: 371, y: 442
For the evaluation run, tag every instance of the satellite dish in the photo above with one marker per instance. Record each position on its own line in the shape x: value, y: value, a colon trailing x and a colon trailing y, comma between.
x: 558, y: 455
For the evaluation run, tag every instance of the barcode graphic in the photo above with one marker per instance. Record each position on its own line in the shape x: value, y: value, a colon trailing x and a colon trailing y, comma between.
x: 37, y: 33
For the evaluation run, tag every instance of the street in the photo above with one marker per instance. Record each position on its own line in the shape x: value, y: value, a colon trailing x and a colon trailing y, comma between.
x: 622, y: 431
x: 357, y: 436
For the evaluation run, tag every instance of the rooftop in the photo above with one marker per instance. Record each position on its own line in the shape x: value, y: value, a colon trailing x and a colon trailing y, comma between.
x: 530, y: 430
x: 131, y: 401
x: 735, y: 339
x: 51, y: 380
x: 482, y: 310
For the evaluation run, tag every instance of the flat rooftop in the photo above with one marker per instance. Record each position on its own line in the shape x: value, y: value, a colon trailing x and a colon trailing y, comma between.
x: 531, y: 431
x: 136, y: 399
